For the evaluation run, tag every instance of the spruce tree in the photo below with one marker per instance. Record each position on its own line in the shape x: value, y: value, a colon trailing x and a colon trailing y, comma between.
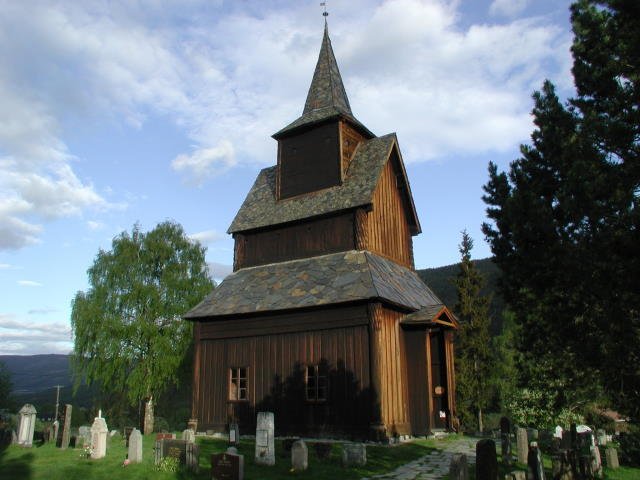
x: 474, y: 362
x: 565, y: 219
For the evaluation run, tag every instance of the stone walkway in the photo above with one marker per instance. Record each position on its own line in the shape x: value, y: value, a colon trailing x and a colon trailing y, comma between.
x: 434, y: 465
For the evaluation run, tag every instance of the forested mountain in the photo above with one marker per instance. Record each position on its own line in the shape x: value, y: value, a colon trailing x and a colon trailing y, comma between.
x: 440, y: 280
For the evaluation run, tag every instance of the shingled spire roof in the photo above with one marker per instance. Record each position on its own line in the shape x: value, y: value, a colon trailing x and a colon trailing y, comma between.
x: 327, y: 97
x: 327, y: 89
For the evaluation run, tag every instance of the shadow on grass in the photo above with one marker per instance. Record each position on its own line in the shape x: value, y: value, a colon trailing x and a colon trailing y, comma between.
x: 15, y: 467
x: 380, y: 459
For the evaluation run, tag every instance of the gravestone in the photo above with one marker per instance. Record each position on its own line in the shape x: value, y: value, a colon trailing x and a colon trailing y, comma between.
x: 505, y: 440
x: 486, y: 460
x: 135, y: 446
x: 227, y: 466
x: 602, y: 437
x: 596, y: 461
x: 27, y: 425
x: 558, y: 432
x: 189, y: 435
x: 66, y: 427
x: 84, y: 432
x: 458, y: 468
x: 611, y: 455
x: 234, y: 434
x: 532, y: 435
x: 56, y: 430
x: 165, y: 436
x: 127, y: 432
x: 187, y: 453
x: 265, y: 448
x: 299, y: 456
x: 354, y: 454
x: 534, y: 462
x: 99, y: 432
x: 522, y: 445
x: 560, y: 466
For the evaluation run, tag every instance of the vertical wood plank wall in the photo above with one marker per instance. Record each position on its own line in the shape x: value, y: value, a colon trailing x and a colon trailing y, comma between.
x: 415, y: 340
x: 391, y: 368
x: 301, y: 240
x: 345, y: 350
x: 389, y: 233
x: 349, y: 140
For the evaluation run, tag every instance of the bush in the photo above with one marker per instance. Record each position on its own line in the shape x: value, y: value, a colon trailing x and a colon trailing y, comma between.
x: 630, y: 448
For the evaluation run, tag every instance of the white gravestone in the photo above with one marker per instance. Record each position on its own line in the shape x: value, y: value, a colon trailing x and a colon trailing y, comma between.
x: 189, y: 435
x: 265, y: 449
x: 135, y: 446
x: 27, y: 425
x: 99, y: 432
x: 299, y: 456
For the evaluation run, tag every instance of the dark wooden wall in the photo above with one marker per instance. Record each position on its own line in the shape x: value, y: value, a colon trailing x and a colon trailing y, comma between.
x: 418, y: 382
x: 275, y: 364
x: 387, y: 228
x: 300, y: 240
x: 309, y: 161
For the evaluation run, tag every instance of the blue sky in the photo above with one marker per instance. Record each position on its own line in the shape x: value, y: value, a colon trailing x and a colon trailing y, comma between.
x: 117, y: 112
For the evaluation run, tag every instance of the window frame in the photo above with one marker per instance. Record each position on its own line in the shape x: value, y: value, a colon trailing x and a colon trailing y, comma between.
x: 316, y: 383
x: 235, y: 389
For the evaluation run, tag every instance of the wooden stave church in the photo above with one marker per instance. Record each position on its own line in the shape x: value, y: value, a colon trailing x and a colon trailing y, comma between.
x: 324, y: 320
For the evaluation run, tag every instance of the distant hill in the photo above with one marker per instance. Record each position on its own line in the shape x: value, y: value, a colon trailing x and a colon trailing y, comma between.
x: 441, y: 279
x: 34, y: 373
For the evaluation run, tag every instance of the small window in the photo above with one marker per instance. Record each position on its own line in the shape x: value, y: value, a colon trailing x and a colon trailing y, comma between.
x: 316, y: 380
x: 238, y: 383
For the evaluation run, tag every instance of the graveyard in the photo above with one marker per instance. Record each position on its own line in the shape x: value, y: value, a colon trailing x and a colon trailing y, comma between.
x: 97, y: 452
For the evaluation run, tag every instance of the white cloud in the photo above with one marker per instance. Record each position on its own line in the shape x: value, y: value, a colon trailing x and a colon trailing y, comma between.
x: 207, y: 236
x: 93, y: 225
x: 206, y: 162
x: 42, y: 311
x: 29, y: 283
x: 230, y: 80
x: 508, y: 8
x: 29, y: 338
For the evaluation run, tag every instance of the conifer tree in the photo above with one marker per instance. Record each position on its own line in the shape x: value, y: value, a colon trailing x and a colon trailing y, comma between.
x: 474, y: 362
x: 565, y: 219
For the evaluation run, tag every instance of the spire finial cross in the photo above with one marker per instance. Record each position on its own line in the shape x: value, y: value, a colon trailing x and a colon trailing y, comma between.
x: 325, y: 14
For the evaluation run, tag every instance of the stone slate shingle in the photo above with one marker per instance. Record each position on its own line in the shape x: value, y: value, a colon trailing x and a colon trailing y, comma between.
x: 312, y: 282
x: 261, y: 208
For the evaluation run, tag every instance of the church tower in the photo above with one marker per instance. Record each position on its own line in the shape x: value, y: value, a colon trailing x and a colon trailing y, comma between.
x: 324, y: 320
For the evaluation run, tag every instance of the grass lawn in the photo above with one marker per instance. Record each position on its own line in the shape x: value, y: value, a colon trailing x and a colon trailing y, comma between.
x: 50, y: 463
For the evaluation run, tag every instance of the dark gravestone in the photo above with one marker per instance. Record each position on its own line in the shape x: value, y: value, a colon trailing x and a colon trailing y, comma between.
x: 227, y: 466
x: 66, y: 428
x: 234, y: 434
x: 186, y: 452
x: 505, y: 440
x: 323, y: 450
x: 486, y: 460
x: 458, y: 468
x: 534, y: 462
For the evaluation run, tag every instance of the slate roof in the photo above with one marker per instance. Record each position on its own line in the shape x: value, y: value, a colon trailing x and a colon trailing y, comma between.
x: 261, y: 208
x: 311, y: 282
x: 327, y: 97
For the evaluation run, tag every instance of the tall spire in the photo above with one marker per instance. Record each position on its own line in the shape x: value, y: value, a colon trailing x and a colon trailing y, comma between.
x: 327, y: 89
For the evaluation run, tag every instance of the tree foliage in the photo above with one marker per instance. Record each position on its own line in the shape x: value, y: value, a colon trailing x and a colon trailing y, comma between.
x: 565, y: 219
x: 6, y: 400
x: 128, y: 332
x: 474, y: 362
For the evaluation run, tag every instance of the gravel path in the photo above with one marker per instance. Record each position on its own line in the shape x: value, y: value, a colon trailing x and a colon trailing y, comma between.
x: 434, y: 465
